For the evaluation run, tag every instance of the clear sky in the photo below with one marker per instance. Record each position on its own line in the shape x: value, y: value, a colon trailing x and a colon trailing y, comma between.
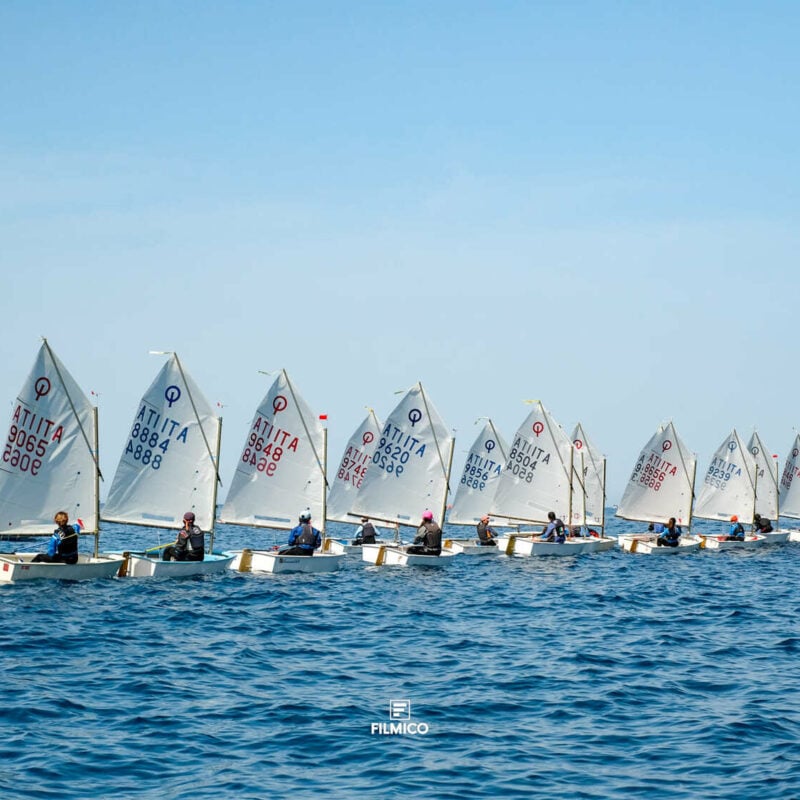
x: 594, y: 204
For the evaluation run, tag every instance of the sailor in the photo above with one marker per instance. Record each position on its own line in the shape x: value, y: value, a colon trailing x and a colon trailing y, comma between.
x: 365, y: 533
x: 762, y: 524
x: 485, y: 533
x: 736, y: 532
x: 303, y: 539
x: 669, y: 536
x: 63, y: 545
x: 428, y: 541
x: 554, y: 531
x: 190, y: 544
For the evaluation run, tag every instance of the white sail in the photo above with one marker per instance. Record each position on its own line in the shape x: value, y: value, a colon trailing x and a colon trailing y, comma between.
x: 49, y: 460
x: 479, y: 478
x: 168, y: 463
x: 662, y: 482
x: 536, y: 478
x: 729, y: 485
x: 790, y: 482
x: 766, y: 478
x: 589, y: 481
x: 410, y: 465
x: 352, y: 468
x: 281, y: 470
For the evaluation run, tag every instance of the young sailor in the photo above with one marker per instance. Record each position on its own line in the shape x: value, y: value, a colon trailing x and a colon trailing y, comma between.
x: 63, y: 545
x: 428, y: 541
x: 365, y: 533
x: 554, y: 530
x: 736, y: 532
x: 190, y: 544
x: 303, y: 539
x: 669, y: 536
x: 486, y: 536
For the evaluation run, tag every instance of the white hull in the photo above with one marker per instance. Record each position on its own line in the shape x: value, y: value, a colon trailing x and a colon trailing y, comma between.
x: 645, y: 544
x: 382, y: 555
x: 272, y: 561
x: 794, y: 535
x: 468, y: 547
x: 750, y: 542
x: 780, y: 536
x: 19, y: 567
x: 139, y: 566
x: 524, y: 546
x: 339, y: 548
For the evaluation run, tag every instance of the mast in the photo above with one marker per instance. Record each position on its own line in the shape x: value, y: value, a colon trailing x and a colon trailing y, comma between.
x: 324, y: 480
x: 216, y: 483
x: 447, y: 479
x: 96, y: 485
x: 603, y: 504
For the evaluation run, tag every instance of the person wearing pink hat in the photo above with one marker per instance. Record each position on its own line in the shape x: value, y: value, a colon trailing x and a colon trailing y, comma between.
x: 428, y: 541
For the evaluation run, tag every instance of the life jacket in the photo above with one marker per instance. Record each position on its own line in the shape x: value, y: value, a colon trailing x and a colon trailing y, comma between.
x: 482, y: 531
x: 738, y: 531
x: 432, y: 539
x: 307, y: 538
x: 368, y: 533
x: 673, y: 535
x: 196, y: 539
x: 67, y: 547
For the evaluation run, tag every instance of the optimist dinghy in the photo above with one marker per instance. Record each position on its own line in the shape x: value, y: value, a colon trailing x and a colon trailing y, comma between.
x: 540, y: 476
x: 661, y: 486
x: 169, y: 466
x: 476, y: 490
x: 49, y: 464
x: 410, y: 470
x: 281, y: 470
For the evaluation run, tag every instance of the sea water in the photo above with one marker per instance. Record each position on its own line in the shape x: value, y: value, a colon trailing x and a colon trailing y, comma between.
x: 597, y: 676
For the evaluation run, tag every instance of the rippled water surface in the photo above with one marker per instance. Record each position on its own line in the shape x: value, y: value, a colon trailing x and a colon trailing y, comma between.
x: 599, y: 676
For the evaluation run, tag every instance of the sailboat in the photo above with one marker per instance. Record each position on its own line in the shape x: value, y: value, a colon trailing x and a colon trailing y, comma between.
x: 789, y: 497
x: 169, y: 466
x: 661, y: 486
x: 280, y: 473
x: 476, y: 489
x: 766, y: 488
x: 409, y: 471
x: 539, y: 478
x: 588, y: 483
x: 729, y: 489
x: 350, y: 473
x: 49, y: 463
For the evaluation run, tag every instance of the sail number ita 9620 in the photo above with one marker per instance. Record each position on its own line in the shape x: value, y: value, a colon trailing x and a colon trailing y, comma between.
x: 391, y: 458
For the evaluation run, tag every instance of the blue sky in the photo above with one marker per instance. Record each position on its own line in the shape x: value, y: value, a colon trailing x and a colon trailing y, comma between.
x: 591, y: 204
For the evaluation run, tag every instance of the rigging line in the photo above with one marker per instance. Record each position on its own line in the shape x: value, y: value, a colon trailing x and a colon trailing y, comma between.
x: 683, y: 464
x: 197, y: 417
x: 305, y: 428
x: 436, y: 440
x: 497, y: 439
x: 73, y: 409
